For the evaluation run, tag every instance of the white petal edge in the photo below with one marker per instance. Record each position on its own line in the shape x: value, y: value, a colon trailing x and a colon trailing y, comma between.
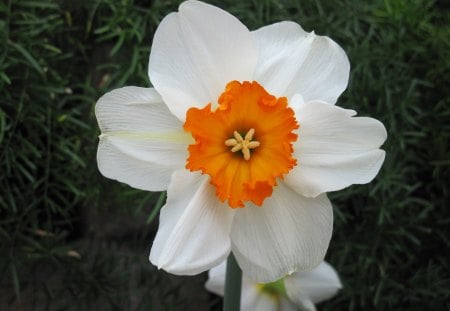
x: 287, y: 233
x: 309, y: 287
x: 292, y: 61
x: 194, y: 227
x: 137, y: 122
x: 196, y: 52
x: 334, y: 149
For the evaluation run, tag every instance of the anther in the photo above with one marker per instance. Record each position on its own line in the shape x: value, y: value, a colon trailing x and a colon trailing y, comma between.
x: 245, y: 144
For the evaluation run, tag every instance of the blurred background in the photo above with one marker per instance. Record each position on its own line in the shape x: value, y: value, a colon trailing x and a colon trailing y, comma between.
x: 71, y: 239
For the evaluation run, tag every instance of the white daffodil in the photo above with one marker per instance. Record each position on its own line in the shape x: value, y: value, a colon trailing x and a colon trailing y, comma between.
x: 242, y: 130
x: 300, y: 290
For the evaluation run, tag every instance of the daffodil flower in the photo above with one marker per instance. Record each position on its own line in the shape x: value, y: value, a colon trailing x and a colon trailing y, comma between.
x: 242, y: 130
x: 298, y: 291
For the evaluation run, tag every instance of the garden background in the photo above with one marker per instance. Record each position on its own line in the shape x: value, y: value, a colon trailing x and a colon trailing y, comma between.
x: 71, y: 239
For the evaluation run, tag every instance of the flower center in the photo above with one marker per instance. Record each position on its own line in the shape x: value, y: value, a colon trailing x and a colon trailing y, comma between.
x: 244, y: 144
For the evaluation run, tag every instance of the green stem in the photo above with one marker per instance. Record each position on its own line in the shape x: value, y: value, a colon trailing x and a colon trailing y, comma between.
x: 233, y: 283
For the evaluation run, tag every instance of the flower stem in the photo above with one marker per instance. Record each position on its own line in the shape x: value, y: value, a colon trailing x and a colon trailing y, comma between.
x: 233, y: 282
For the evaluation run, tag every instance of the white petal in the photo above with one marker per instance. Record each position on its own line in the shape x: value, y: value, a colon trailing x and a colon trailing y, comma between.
x: 286, y: 305
x: 216, y: 279
x: 292, y: 61
x: 137, y: 121
x: 288, y: 233
x: 313, y: 286
x: 196, y: 52
x: 252, y: 299
x: 141, y: 143
x: 334, y: 149
x: 305, y: 304
x: 194, y: 227
x: 115, y: 164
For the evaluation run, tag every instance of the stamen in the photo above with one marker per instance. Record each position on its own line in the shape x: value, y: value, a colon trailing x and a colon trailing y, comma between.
x: 243, y: 144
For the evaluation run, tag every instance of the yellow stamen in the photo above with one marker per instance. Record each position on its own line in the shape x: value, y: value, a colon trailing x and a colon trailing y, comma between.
x: 243, y: 144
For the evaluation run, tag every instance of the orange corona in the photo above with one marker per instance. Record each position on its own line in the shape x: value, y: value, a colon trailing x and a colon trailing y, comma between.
x: 244, y: 144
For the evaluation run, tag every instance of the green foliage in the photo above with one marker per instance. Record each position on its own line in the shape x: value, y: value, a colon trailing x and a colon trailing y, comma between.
x: 71, y: 239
